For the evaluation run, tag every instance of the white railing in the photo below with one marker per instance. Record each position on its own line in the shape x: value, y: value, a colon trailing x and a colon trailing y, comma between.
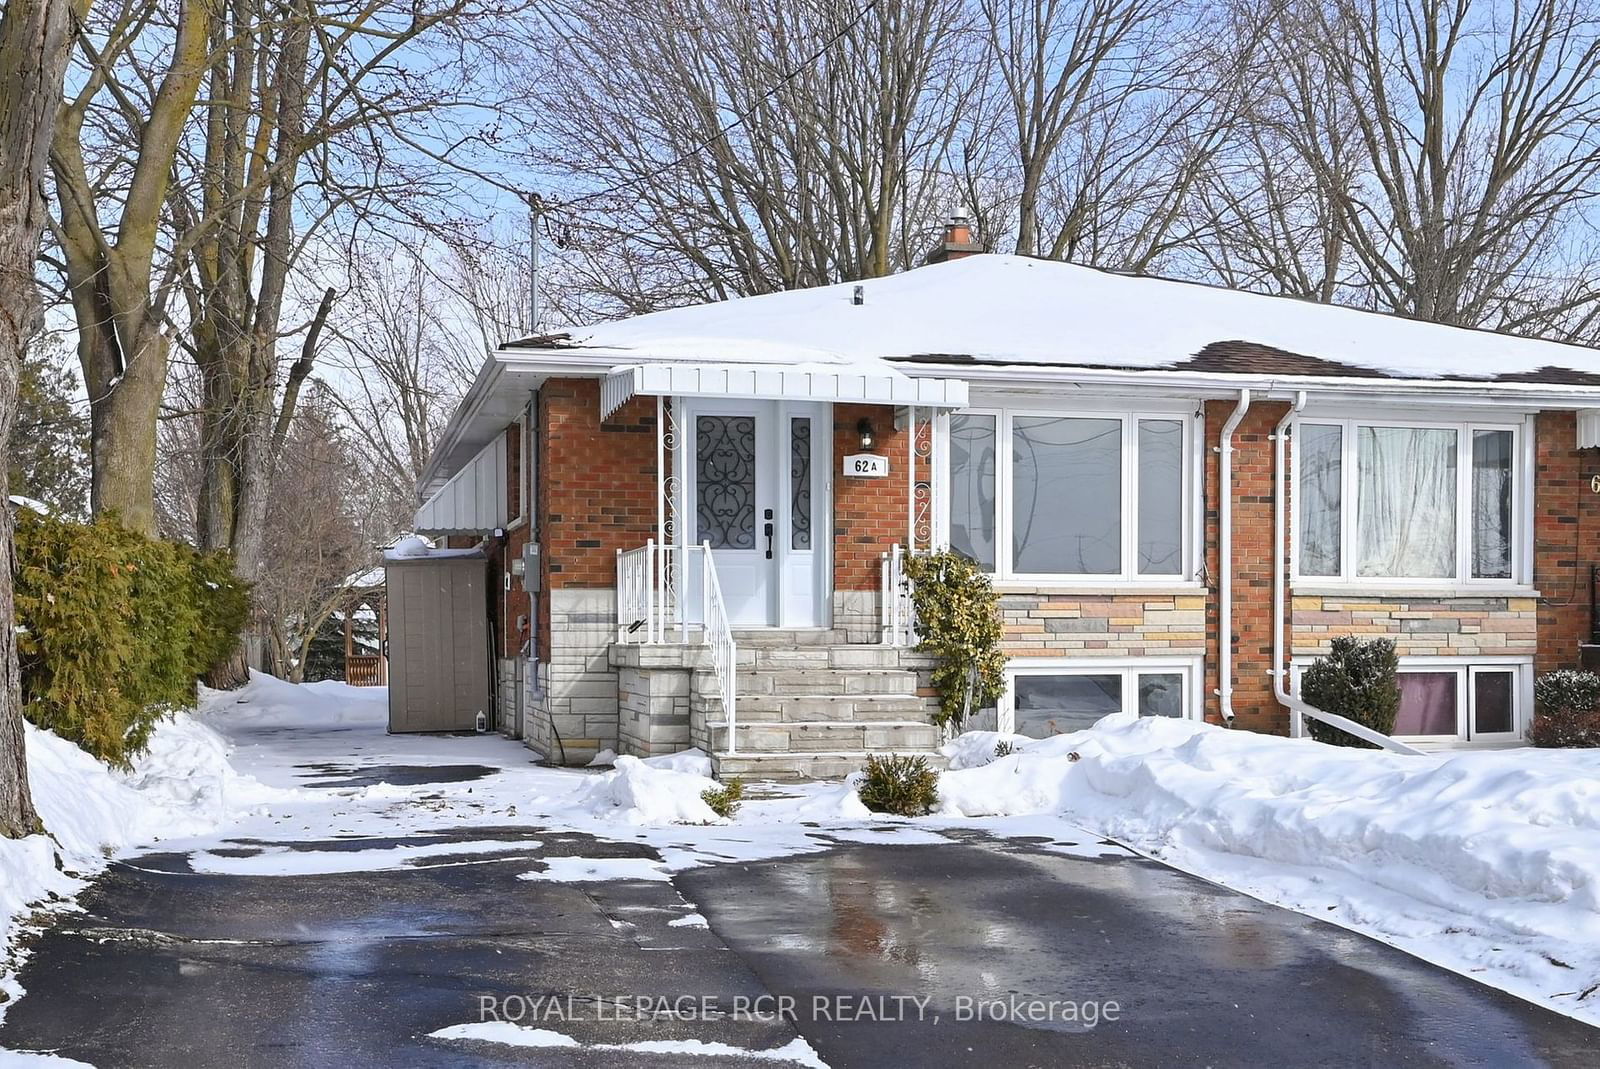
x: 655, y: 604
x: 898, y: 618
x: 724, y: 651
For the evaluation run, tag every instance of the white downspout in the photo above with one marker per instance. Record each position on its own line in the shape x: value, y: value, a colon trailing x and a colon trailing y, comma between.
x: 1280, y: 688
x: 1299, y: 710
x: 1225, y: 553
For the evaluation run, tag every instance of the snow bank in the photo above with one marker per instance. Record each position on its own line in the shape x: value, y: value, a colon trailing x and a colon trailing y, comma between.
x: 183, y: 785
x: 269, y: 702
x: 1486, y: 862
x: 655, y: 790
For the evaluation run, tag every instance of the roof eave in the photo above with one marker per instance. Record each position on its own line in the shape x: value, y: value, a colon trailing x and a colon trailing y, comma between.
x: 1219, y: 383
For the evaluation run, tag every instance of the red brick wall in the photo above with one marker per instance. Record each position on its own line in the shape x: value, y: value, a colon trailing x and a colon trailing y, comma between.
x: 869, y: 515
x: 1253, y: 704
x: 1566, y: 538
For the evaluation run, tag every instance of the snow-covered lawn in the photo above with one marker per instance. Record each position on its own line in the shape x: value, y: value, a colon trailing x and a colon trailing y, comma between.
x: 1487, y: 863
x: 1481, y: 862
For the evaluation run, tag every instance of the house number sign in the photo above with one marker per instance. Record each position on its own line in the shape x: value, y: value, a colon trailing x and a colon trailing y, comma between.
x: 866, y: 466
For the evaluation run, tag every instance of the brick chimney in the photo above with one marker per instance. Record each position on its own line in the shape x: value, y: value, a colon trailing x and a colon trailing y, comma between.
x: 959, y: 241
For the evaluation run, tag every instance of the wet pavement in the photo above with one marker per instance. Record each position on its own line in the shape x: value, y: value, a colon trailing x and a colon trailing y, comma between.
x: 995, y: 953
x: 1000, y: 954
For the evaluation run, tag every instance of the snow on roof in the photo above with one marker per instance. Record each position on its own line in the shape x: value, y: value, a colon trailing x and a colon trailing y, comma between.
x: 21, y: 502
x: 415, y: 547
x: 1014, y: 309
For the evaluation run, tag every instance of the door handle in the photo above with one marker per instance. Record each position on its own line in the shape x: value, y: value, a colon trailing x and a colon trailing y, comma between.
x: 769, y: 541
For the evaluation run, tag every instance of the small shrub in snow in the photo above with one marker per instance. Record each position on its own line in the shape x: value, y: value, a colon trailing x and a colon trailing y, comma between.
x: 903, y: 785
x: 1356, y: 680
x: 1567, y: 704
x: 726, y: 799
x: 1004, y: 748
x: 958, y: 621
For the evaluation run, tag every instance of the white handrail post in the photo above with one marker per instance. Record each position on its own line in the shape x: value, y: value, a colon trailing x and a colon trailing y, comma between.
x: 650, y: 590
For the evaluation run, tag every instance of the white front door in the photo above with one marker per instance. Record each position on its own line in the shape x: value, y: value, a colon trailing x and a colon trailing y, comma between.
x: 757, y: 493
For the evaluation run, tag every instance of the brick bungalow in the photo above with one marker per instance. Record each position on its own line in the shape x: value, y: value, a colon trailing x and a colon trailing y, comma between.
x: 697, y: 515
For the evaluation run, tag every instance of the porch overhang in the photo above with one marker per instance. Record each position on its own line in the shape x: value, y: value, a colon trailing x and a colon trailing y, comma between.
x: 802, y: 382
x: 473, y: 500
x: 1589, y: 428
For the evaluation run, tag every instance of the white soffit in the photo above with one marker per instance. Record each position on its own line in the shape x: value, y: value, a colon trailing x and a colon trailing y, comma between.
x: 473, y: 500
x: 1589, y: 428
x: 884, y: 386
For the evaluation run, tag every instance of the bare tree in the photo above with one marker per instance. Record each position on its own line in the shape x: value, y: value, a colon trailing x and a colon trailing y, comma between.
x: 735, y: 148
x: 1452, y: 151
x: 108, y: 226
x: 33, y: 58
x: 320, y: 530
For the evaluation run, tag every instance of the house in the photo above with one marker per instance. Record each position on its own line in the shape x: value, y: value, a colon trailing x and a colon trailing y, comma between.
x: 698, y: 515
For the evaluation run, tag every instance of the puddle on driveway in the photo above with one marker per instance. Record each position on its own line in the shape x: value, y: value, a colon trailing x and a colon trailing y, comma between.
x: 1201, y: 975
x: 332, y: 775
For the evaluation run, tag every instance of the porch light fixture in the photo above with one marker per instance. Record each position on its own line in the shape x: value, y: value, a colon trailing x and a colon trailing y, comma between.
x: 869, y: 437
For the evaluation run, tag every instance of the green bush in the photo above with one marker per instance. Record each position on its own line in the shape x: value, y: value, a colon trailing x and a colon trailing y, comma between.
x: 906, y: 786
x: 726, y: 799
x: 1356, y: 680
x: 958, y: 621
x: 115, y: 628
x: 1566, y: 709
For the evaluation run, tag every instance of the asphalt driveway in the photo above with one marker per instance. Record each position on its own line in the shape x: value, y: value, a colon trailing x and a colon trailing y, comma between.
x: 985, y: 952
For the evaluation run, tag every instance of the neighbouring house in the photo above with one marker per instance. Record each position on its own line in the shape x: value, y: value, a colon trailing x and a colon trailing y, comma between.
x: 1182, y: 492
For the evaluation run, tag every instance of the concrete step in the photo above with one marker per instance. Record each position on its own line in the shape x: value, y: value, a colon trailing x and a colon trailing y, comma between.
x: 842, y: 708
x: 777, y: 658
x: 809, y: 682
x: 786, y: 637
x: 798, y: 767
x: 827, y: 736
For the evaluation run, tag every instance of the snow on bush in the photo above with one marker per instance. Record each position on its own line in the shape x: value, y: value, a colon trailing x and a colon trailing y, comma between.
x: 1486, y: 860
x: 655, y: 790
x: 183, y: 785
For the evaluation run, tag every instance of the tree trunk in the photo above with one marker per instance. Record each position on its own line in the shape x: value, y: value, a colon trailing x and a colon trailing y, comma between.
x: 33, y: 58
x: 122, y: 429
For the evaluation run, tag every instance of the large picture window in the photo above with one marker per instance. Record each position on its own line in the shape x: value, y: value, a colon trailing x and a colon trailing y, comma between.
x: 1416, y: 503
x: 1072, y: 496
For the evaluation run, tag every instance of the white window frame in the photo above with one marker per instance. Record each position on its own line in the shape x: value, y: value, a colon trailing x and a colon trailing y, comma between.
x: 1349, y: 488
x: 1179, y: 411
x: 1129, y: 668
x: 1466, y: 669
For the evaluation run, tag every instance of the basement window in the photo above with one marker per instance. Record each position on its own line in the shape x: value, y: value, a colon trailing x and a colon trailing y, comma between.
x: 1053, y: 697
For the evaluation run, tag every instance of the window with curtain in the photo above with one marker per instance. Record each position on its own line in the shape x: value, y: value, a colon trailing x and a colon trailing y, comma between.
x: 1061, y: 495
x: 1430, y: 503
x: 1406, y: 502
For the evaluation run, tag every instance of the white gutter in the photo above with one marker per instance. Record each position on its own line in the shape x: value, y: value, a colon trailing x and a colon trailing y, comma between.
x: 1225, y: 555
x: 1280, y: 387
x: 1298, y: 710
